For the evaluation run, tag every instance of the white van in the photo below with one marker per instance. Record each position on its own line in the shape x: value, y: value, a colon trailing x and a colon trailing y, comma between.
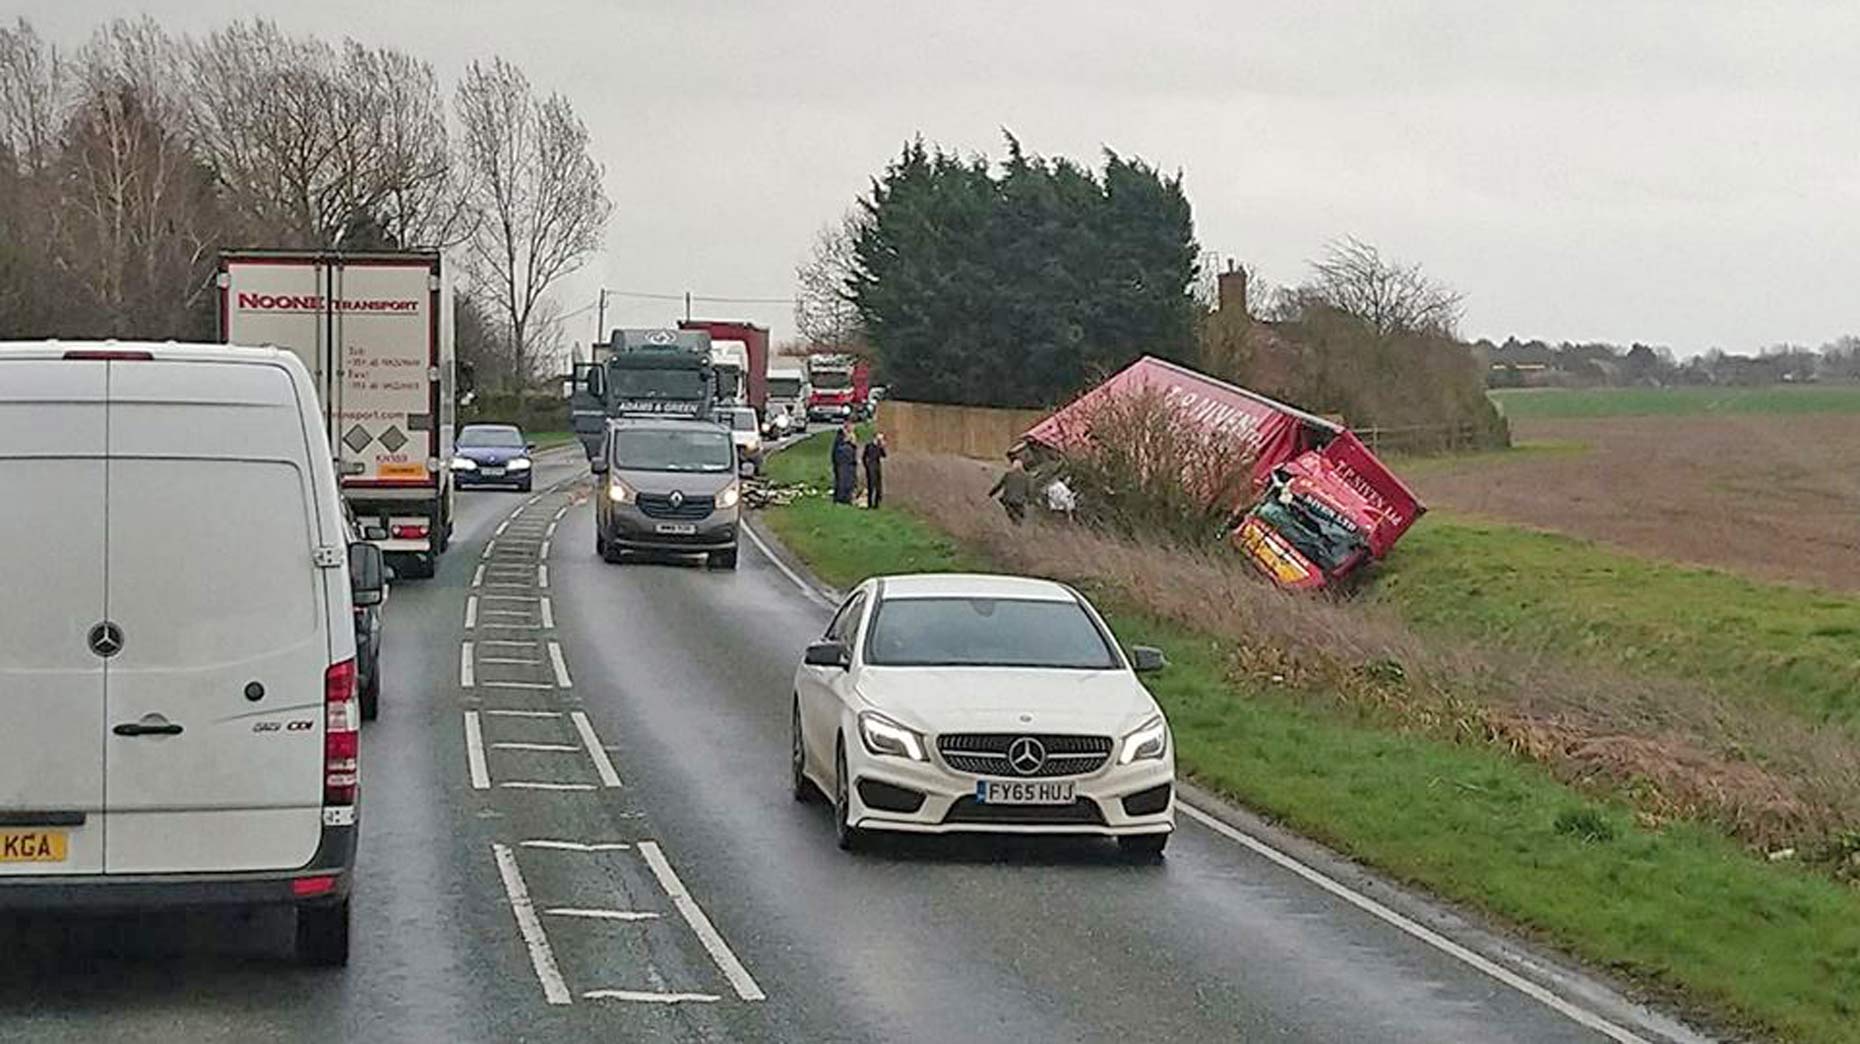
x: 178, y: 716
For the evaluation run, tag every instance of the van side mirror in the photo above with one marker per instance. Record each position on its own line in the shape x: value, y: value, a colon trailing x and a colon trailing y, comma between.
x: 598, y: 464
x: 367, y: 569
x: 1147, y: 659
x: 747, y: 469
x: 827, y: 654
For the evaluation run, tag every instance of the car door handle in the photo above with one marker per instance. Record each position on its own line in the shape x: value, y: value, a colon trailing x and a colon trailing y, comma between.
x: 136, y: 728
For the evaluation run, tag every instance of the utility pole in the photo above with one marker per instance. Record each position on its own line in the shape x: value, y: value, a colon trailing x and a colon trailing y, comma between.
x: 688, y: 306
x: 600, y: 322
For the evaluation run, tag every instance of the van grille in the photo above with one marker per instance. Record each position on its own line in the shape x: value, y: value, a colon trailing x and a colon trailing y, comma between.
x: 659, y: 505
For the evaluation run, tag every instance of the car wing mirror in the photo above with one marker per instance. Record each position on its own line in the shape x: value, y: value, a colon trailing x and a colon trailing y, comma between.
x: 367, y: 574
x: 827, y: 654
x: 746, y: 469
x: 1147, y: 659
x: 597, y: 465
x: 529, y: 447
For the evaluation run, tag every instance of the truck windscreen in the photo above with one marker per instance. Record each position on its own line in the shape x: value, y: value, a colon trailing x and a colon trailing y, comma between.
x: 656, y: 384
x: 1320, y: 539
x: 651, y: 449
x: 784, y: 387
x: 831, y: 380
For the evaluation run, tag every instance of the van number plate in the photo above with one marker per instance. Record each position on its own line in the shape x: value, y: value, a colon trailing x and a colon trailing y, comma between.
x: 33, y: 846
x: 676, y: 529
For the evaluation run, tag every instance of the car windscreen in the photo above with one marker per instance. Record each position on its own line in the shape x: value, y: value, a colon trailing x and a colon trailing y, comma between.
x: 478, y: 436
x: 987, y: 632
x: 658, y: 449
x: 657, y: 384
x: 743, y: 420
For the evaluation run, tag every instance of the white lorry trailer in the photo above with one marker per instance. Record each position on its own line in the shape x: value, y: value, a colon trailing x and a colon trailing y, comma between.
x: 375, y: 331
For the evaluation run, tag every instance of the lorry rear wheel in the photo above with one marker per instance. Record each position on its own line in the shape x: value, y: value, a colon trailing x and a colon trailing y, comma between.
x: 323, y: 935
x: 420, y: 566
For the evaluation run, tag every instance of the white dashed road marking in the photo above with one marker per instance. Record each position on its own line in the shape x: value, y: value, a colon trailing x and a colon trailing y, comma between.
x: 548, y: 615
x: 561, y: 666
x: 548, y: 786
x: 474, y: 752
x: 733, y: 970
x: 542, y: 576
x: 650, y: 998
x: 471, y: 612
x: 477, y: 578
x: 545, y: 748
x: 602, y: 763
x: 465, y: 666
x: 603, y: 915
x: 542, y: 958
x: 577, y: 846
x: 522, y: 714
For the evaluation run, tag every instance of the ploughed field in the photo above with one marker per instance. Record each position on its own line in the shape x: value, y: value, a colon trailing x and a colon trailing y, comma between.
x: 1773, y: 495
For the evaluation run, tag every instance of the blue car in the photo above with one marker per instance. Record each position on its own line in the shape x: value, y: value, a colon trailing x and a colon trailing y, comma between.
x: 492, y: 455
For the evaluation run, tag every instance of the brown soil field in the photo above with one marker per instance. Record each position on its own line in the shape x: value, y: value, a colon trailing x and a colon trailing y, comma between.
x: 1771, y: 497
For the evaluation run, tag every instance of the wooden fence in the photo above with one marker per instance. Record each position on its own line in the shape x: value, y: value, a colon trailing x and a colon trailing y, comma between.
x: 966, y: 431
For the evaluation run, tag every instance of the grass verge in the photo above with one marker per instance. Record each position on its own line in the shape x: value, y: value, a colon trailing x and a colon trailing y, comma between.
x: 1680, y: 908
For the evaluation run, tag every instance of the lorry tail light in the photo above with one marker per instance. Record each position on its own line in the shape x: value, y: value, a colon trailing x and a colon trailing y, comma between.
x: 410, y: 532
x: 341, y: 735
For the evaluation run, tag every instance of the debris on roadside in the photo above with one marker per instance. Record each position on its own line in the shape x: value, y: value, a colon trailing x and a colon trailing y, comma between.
x: 761, y: 493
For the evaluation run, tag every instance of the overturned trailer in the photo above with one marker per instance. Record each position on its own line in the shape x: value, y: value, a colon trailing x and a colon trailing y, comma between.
x: 1320, y: 505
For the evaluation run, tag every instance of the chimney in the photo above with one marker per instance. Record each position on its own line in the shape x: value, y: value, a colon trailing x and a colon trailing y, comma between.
x: 1232, y: 289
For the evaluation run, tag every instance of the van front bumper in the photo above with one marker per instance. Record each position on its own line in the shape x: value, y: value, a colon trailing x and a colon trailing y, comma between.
x: 111, y: 893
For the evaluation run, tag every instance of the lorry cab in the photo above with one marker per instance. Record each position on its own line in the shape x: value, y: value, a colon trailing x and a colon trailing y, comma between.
x: 179, y: 722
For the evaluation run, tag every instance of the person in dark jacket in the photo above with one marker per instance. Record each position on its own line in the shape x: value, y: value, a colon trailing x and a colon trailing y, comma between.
x: 874, y: 458
x: 845, y: 463
x: 1014, y: 488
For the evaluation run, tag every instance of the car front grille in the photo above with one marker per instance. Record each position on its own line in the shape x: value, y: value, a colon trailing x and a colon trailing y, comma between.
x: 691, y: 509
x: 1082, y: 812
x: 986, y: 753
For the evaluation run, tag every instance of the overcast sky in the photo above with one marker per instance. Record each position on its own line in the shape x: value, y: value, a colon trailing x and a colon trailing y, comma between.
x: 1678, y: 173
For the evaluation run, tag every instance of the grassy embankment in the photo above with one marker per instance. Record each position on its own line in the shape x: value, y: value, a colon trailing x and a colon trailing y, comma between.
x: 1679, y: 907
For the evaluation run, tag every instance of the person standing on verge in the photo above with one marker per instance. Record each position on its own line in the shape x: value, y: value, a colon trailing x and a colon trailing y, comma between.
x: 874, y: 457
x: 845, y: 463
x: 1014, y: 488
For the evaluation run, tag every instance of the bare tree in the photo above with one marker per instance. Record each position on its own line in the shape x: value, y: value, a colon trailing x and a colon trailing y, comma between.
x: 318, y: 146
x: 141, y: 219
x: 1354, y: 278
x: 534, y: 192
x: 823, y: 312
x: 32, y: 95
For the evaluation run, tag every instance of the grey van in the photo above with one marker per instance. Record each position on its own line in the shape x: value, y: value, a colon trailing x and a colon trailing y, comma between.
x: 667, y: 486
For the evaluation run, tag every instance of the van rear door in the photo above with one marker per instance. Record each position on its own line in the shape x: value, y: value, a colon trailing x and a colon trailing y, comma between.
x: 51, y: 554
x: 215, y: 708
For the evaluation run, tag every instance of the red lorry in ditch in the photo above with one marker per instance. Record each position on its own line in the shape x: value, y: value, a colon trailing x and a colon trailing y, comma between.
x: 1320, y: 506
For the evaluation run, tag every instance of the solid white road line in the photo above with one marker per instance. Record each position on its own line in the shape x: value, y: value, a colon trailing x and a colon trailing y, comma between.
x: 1418, y: 931
x: 522, y: 714
x: 805, y: 587
x: 542, y: 958
x: 474, y: 752
x: 471, y: 612
x: 509, y: 644
x: 542, y: 576
x: 549, y: 748
x: 465, y: 665
x: 597, y: 753
x: 602, y: 915
x: 519, y: 686
x: 548, y: 786
x: 519, y: 614
x: 726, y: 961
x: 509, y: 598
x: 640, y: 997
x: 577, y: 846
x: 506, y: 660
x: 548, y: 615
x: 562, y: 679
x: 477, y: 578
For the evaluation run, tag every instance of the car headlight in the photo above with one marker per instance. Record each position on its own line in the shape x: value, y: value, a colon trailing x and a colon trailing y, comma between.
x: 783, y: 421
x: 887, y: 738
x: 619, y: 492
x: 730, y: 495
x: 464, y: 464
x: 1147, y: 743
x: 520, y: 464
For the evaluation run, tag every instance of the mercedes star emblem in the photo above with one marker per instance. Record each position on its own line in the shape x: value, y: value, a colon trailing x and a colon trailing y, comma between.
x: 677, y: 498
x: 106, y: 639
x: 1026, y: 755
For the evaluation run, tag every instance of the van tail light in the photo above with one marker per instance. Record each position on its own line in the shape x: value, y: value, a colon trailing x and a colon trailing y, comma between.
x: 341, y: 735
x: 108, y: 355
x: 410, y: 532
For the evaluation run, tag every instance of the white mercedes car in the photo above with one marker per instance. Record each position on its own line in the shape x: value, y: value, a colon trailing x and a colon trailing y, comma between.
x: 949, y: 703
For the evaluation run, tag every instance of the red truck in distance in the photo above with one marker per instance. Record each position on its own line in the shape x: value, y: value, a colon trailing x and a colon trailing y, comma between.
x: 756, y: 340
x: 842, y: 387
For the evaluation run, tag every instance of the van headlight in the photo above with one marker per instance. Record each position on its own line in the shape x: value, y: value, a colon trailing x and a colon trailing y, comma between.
x: 730, y: 495
x: 619, y: 492
x: 1147, y: 743
x: 464, y: 464
x: 887, y: 738
x: 520, y: 464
